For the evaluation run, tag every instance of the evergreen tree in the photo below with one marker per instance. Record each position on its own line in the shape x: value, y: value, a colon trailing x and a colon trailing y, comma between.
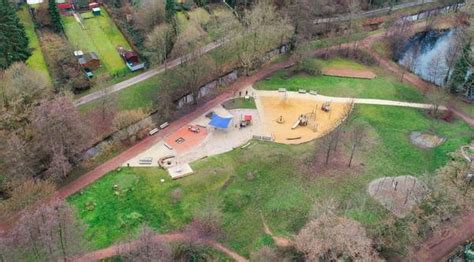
x: 55, y: 17
x: 458, y: 78
x: 13, y: 39
x: 170, y: 8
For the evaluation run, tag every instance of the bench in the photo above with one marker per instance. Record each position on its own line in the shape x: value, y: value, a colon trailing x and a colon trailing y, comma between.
x: 164, y: 125
x: 314, y: 93
x: 153, y: 131
x: 145, y: 161
x: 302, y: 91
x: 282, y: 90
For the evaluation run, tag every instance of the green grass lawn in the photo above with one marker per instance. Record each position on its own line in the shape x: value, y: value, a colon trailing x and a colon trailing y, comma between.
x: 240, y: 103
x: 384, y: 86
x: 36, y: 60
x: 101, y: 36
x: 340, y: 63
x: 265, y: 178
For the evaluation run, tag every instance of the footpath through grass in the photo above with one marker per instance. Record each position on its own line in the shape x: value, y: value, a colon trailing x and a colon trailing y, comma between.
x: 100, y: 35
x: 36, y: 60
x: 267, y: 178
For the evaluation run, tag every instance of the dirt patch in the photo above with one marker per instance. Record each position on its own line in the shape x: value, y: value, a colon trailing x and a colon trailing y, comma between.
x: 351, y: 73
x: 398, y: 194
x: 425, y: 140
x: 280, y: 116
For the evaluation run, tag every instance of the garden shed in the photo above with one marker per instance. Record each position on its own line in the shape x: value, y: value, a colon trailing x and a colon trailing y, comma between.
x: 89, y: 60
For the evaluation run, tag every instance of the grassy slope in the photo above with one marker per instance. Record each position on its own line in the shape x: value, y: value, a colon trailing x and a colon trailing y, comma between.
x: 382, y: 87
x: 101, y: 36
x: 36, y: 60
x: 339, y: 63
x: 277, y: 189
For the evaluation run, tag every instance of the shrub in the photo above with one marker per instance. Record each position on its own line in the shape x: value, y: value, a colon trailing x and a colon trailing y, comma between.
x: 126, y: 118
x: 264, y: 254
x: 309, y: 66
x: 189, y: 251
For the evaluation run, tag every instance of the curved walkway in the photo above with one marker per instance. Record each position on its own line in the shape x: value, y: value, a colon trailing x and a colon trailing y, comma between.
x: 171, y: 237
x: 446, y: 240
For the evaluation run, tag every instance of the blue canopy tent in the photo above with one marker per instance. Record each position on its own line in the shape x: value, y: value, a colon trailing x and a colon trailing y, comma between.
x: 220, y: 122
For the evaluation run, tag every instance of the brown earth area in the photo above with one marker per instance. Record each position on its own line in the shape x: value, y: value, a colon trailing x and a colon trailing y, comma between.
x: 351, y: 73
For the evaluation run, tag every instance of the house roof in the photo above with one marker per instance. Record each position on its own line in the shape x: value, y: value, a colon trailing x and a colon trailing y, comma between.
x: 130, y: 54
x: 64, y: 6
x: 88, y: 57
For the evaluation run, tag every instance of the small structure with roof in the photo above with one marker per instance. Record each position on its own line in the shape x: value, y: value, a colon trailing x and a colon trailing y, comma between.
x: 220, y: 122
x: 131, y: 59
x: 65, y: 8
x: 96, y: 11
x: 89, y: 60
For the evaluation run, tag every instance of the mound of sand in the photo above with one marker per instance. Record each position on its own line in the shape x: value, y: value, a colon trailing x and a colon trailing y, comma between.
x: 425, y: 140
x: 398, y: 194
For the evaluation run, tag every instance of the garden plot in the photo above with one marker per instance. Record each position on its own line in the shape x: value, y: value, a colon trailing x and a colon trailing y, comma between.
x: 101, y: 36
x: 347, y: 68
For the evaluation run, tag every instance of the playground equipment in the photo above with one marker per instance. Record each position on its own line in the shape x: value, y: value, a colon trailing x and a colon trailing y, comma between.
x: 280, y: 120
x: 194, y: 129
x: 326, y: 107
x: 246, y: 121
x: 301, y: 121
x: 166, y: 161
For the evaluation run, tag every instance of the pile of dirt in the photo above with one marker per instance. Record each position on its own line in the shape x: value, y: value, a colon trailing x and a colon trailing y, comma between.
x: 350, y: 73
x: 425, y: 140
x: 398, y: 194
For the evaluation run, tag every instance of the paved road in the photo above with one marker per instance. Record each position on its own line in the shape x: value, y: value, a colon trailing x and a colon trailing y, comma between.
x: 375, y: 12
x: 148, y: 74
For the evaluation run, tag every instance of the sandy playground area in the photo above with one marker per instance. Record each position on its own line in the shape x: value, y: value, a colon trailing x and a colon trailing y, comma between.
x: 280, y: 114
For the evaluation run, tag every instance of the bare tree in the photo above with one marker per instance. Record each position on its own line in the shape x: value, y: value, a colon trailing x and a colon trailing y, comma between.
x: 357, y: 136
x: 47, y: 233
x: 18, y: 159
x: 193, y: 74
x: 265, y: 254
x: 148, y: 14
x: 436, y: 97
x: 60, y: 136
x: 148, y: 248
x: 159, y: 43
x: 163, y: 103
x: 330, y: 237
x: 22, y: 88
x: 207, y: 221
x: 24, y: 192
x: 101, y: 117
